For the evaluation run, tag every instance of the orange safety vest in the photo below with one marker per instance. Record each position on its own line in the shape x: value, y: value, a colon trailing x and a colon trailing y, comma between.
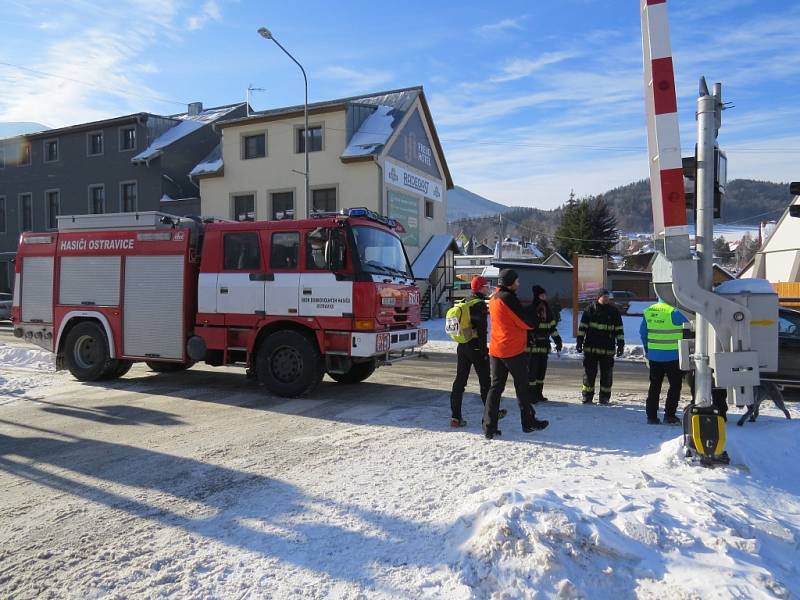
x: 509, y: 333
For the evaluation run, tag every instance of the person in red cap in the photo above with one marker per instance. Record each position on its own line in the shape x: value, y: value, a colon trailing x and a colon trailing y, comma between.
x: 473, y: 353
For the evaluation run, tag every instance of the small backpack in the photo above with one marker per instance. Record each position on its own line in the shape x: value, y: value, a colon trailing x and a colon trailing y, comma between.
x: 457, y: 322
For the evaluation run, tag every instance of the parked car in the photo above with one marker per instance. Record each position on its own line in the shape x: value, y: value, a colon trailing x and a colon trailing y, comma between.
x: 622, y: 300
x: 788, y: 374
x: 5, y: 306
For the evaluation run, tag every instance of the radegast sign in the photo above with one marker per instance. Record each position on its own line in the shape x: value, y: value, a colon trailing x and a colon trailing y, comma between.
x: 397, y: 175
x: 413, y: 147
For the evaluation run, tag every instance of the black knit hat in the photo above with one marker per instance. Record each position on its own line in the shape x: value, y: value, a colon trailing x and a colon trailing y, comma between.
x: 603, y: 292
x: 507, y: 277
x: 538, y: 291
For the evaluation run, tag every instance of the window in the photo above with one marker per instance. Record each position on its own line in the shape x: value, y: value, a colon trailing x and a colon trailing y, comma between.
x: 2, y: 158
x: 26, y: 212
x: 97, y: 199
x: 241, y: 252
x: 285, y: 250
x: 282, y: 205
x: 50, y: 150
x: 254, y: 146
x: 315, y: 248
x: 323, y: 200
x: 314, y: 139
x: 127, y: 138
x: 25, y: 155
x: 94, y: 143
x: 2, y: 214
x: 789, y: 326
x: 128, y: 196
x: 53, y: 202
x: 472, y: 262
x: 244, y: 207
x: 428, y: 209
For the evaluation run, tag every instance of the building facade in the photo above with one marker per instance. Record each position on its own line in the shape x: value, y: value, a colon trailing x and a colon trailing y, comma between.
x: 136, y: 162
x: 379, y: 151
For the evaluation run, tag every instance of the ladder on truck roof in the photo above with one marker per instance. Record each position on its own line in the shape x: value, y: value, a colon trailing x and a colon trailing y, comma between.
x: 125, y: 220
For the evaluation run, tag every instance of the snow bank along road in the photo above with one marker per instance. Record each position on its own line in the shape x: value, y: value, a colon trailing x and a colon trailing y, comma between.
x: 196, y: 485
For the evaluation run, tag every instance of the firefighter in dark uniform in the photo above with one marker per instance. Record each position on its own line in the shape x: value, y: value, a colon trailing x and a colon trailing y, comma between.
x: 539, y: 342
x: 472, y: 353
x: 599, y: 332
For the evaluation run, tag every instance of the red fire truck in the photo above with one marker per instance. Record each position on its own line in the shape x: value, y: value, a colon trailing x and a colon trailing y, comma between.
x: 288, y: 300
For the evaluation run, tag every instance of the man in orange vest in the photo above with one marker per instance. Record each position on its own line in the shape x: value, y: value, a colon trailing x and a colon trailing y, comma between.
x: 508, y: 340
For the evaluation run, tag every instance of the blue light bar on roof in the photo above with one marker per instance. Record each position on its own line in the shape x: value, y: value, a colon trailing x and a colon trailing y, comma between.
x: 373, y: 216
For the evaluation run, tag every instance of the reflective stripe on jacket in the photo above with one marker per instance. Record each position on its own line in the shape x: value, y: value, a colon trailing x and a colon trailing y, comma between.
x: 509, y: 334
x: 661, y: 332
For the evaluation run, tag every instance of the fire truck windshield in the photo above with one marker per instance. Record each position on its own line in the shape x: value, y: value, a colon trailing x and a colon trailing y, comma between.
x: 380, y: 252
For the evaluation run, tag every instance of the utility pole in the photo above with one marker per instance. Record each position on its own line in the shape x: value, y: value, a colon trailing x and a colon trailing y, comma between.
x: 709, y: 120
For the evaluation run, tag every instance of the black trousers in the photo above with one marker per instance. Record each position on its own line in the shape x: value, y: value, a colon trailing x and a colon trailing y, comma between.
x: 674, y: 375
x: 500, y: 368
x: 537, y: 369
x: 469, y: 356
x: 591, y: 363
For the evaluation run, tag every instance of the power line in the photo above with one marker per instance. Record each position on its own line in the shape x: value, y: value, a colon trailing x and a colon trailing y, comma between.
x: 93, y: 85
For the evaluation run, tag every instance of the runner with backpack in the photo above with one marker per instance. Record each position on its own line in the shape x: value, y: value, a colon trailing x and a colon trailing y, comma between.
x: 466, y: 324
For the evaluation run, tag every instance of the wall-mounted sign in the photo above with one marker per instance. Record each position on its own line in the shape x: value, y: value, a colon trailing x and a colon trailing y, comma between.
x: 405, y: 209
x: 413, y: 147
x: 397, y: 175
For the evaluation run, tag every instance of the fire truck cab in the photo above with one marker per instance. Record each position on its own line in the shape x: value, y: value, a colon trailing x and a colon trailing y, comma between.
x: 287, y: 300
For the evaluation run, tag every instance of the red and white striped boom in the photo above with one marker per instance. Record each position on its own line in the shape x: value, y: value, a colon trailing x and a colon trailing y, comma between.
x: 663, y: 135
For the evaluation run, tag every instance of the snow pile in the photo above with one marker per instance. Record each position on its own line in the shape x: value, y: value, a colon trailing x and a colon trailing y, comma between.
x: 22, y: 357
x: 657, y: 528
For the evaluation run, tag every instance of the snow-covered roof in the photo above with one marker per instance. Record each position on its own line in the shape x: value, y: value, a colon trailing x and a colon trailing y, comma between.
x: 431, y: 254
x: 185, y: 124
x: 745, y: 286
x: 373, y: 133
x: 491, y: 272
x: 210, y: 164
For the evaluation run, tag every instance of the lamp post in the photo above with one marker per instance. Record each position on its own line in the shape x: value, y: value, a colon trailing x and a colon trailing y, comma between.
x: 267, y: 35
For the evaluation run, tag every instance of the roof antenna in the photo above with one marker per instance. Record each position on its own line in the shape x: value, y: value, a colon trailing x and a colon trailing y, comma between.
x: 250, y: 88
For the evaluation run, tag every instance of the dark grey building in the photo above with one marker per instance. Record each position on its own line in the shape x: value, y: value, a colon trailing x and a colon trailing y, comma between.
x: 136, y: 162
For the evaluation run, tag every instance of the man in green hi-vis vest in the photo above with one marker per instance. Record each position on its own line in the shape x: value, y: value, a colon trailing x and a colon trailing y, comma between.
x: 661, y: 331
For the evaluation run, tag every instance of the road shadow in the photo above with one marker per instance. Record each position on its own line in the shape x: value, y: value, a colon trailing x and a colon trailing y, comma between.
x: 241, y: 509
x: 118, y: 414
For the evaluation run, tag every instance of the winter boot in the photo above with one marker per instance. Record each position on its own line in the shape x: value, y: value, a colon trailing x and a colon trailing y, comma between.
x: 456, y: 423
x: 536, y: 425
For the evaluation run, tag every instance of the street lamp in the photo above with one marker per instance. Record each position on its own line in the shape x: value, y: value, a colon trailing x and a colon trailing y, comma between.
x: 267, y: 35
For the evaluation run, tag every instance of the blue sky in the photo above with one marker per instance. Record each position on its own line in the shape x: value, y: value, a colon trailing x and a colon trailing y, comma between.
x: 531, y: 99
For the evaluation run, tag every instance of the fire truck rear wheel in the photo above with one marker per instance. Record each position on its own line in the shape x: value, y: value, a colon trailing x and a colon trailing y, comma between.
x: 86, y: 352
x: 167, y: 367
x: 357, y: 373
x: 289, y: 363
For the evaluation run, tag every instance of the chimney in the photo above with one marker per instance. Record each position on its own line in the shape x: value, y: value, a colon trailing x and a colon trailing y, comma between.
x: 195, y: 108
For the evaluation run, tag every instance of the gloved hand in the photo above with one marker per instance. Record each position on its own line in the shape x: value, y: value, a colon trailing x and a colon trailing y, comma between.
x: 579, y: 346
x: 559, y: 345
x: 620, y: 348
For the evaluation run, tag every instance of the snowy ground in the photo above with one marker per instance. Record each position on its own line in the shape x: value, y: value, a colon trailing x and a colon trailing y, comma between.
x: 197, y: 486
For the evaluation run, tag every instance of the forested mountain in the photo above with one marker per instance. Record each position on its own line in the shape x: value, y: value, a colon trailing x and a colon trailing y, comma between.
x: 747, y: 202
x: 462, y: 203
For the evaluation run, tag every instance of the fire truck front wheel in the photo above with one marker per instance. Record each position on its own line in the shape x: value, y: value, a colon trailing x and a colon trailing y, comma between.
x: 86, y: 352
x: 356, y: 374
x: 289, y: 363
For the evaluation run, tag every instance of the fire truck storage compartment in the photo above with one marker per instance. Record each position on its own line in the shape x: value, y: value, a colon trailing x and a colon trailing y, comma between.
x: 37, y: 289
x: 154, y: 306
x: 89, y: 280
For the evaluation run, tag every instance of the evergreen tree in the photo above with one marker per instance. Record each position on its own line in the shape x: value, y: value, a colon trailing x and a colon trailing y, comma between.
x: 587, y: 227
